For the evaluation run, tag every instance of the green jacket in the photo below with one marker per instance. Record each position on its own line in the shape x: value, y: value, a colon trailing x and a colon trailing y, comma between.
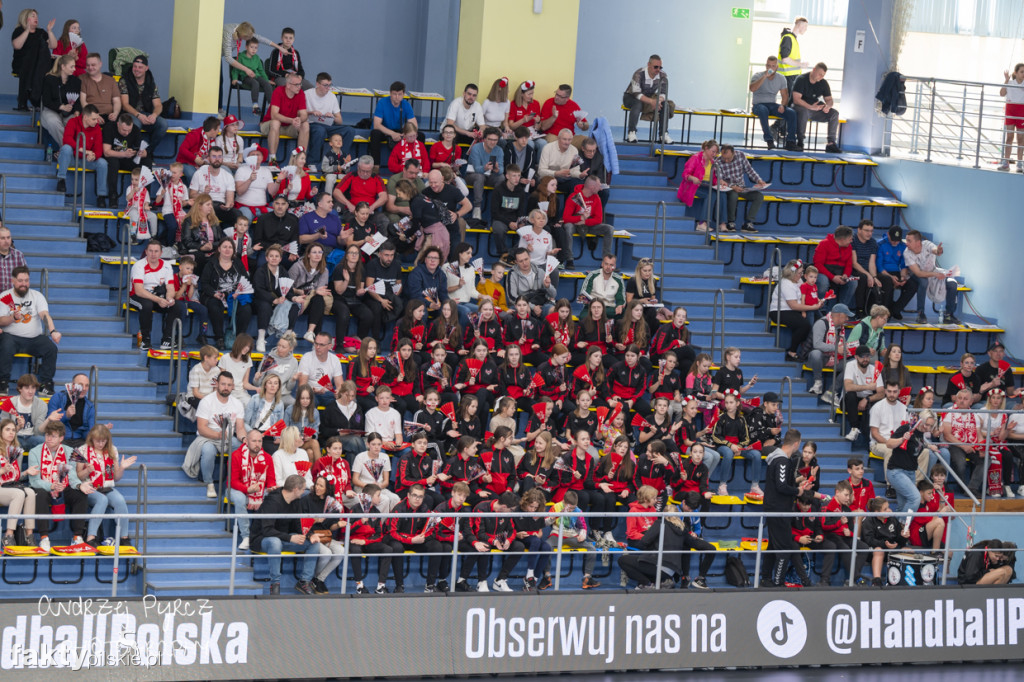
x: 254, y: 63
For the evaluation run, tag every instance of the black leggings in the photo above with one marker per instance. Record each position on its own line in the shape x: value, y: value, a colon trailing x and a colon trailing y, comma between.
x: 601, y: 505
x: 344, y: 310
x: 385, y: 551
x: 798, y: 325
x: 430, y: 546
x: 638, y: 571
x: 219, y: 313
x: 472, y: 558
x: 315, y: 312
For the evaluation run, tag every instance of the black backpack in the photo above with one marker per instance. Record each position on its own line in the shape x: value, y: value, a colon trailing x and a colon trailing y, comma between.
x: 97, y: 242
x: 735, y: 571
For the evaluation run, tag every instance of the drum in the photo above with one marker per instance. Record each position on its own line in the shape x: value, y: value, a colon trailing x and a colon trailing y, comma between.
x: 911, y: 569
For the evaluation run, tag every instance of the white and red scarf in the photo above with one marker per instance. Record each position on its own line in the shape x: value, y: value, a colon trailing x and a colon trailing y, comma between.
x: 52, y: 468
x: 254, y: 471
x: 102, y: 467
x: 339, y: 476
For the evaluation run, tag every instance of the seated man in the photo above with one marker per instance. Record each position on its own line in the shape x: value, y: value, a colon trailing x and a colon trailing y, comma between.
x: 466, y: 115
x: 458, y: 205
x: 272, y: 535
x: 886, y: 416
x: 325, y: 118
x: 583, y: 209
x: 812, y: 99
x: 484, y: 166
x: 766, y: 86
x: 195, y: 147
x: 287, y: 115
x: 498, y: 533
x: 397, y: 208
x: 389, y: 117
x: 996, y: 372
x: 428, y: 282
x: 284, y: 59
x: 362, y: 185
x: 560, y: 160
x: 933, y: 282
x: 862, y: 383
x: 592, y: 164
x: 90, y: 154
x: 21, y: 323
x: 647, y: 93
x: 141, y: 99
x: 321, y: 369
x: 893, y: 274
x: 220, y: 405
x: 560, y: 113
x: 733, y: 168
x: 824, y: 334
x: 253, y: 184
x: 252, y: 475
x: 412, y: 534
x: 218, y: 182
x: 387, y: 307
x: 508, y: 207
x: 100, y: 89
x: 865, y: 257
x: 10, y: 258
x: 530, y: 281
x: 122, y: 142
x: 833, y: 257
x: 521, y: 153
x: 78, y: 417
x: 607, y: 285
x: 153, y: 290
x: 321, y: 225
x: 279, y: 227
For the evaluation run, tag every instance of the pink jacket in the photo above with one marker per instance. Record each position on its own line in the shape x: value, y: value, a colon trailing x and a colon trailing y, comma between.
x: 695, y: 167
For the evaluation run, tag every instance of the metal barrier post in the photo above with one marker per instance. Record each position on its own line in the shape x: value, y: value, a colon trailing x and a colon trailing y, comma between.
x: 94, y: 387
x: 177, y: 351
x: 853, y: 551
x: 3, y: 211
x: 757, y: 551
x: 931, y: 122
x: 558, y: 557
x: 788, y: 381
x: 455, y: 555
x: 117, y: 557
x: 660, y: 210
x: 234, y: 558
x: 981, y: 115
x: 142, y: 494
x: 344, y: 560
x: 963, y: 120
x: 122, y: 285
x: 44, y: 282
x: 984, y: 480
x: 835, y: 378
x: 661, y: 549
x: 773, y: 281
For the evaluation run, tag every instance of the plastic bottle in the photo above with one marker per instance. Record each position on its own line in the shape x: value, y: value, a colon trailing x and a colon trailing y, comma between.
x: 49, y: 153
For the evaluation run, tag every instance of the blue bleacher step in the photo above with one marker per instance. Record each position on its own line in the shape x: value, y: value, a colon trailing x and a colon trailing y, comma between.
x: 626, y: 193
x: 202, y: 589
x: 113, y: 352
x: 111, y: 373
x: 11, y: 150
x: 31, y: 167
x: 618, y: 204
x: 98, y: 342
x: 98, y: 325
x: 56, y: 214
x: 702, y: 325
x: 652, y: 179
x: 47, y: 197
x: 52, y: 261
x: 687, y: 297
x: 78, y: 293
x: 135, y: 421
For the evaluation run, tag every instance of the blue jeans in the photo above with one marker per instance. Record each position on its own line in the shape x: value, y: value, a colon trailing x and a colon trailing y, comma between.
x: 762, y: 111
x: 711, y: 460
x: 67, y: 158
x: 536, y: 560
x: 700, y: 205
x: 157, y: 131
x: 465, y: 310
x: 29, y: 442
x: 753, y: 457
x: 239, y: 500
x: 908, y: 498
x: 948, y: 306
x: 99, y: 503
x: 318, y: 132
x: 276, y: 546
x: 844, y: 293
x: 208, y: 458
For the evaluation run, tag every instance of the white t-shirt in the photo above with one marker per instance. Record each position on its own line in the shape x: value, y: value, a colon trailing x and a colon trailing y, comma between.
x: 151, y: 278
x: 33, y: 303
x: 790, y: 291
x: 886, y: 418
x: 203, y: 381
x: 1014, y: 92
x: 211, y: 406
x: 313, y: 368
x: 328, y: 104
x: 539, y: 245
x: 495, y: 112
x: 924, y: 260
x: 465, y: 118
x: 256, y: 195
x: 360, y: 467
x: 232, y: 147
x: 240, y: 371
x: 1017, y: 423
x: 387, y: 424
x: 870, y: 375
x: 285, y: 466
x: 217, y: 186
x: 963, y: 427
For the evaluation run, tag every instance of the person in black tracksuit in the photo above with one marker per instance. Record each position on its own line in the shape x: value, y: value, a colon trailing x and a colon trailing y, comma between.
x: 496, y: 532
x: 412, y: 534
x: 780, y: 493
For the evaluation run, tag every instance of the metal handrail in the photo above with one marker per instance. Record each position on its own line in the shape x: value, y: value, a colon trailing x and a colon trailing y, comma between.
x: 142, y: 499
x: 772, y: 279
x: 123, y: 286
x: 718, y: 303
x: 787, y: 381
x: 835, y: 374
x: 94, y: 387
x: 3, y: 200
x: 44, y: 282
x: 177, y: 351
x: 79, y: 161
x: 661, y: 208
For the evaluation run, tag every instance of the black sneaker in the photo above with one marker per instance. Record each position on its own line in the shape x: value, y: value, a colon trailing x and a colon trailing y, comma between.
x: 442, y: 585
x: 382, y: 589
x: 771, y: 144
x: 544, y: 583
x: 890, y: 493
x: 399, y: 589
x: 921, y: 318
x: 126, y: 542
x: 7, y: 540
x: 749, y: 227
x: 144, y: 344
x: 832, y: 148
x: 101, y: 202
x: 529, y: 584
x: 46, y: 389
x: 700, y: 583
x: 275, y: 588
x: 877, y: 582
x: 951, y: 319
x: 166, y: 344
x: 896, y: 315
x: 304, y: 587
x: 589, y: 583
x: 794, y: 147
x: 461, y: 585
x: 319, y: 587
x: 62, y: 186
x: 361, y: 589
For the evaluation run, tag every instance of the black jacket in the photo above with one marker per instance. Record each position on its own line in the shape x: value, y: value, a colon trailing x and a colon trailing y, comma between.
x: 332, y: 419
x: 508, y: 206
x: 530, y: 159
x: 878, y: 531
x: 264, y: 525
x: 269, y: 229
x: 263, y: 283
x: 780, y: 488
x: 674, y: 544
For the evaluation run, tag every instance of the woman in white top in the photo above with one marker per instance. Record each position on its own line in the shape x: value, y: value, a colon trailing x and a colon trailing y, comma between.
x: 1013, y: 91
x: 496, y: 107
x: 291, y: 458
x: 239, y: 364
x: 374, y: 466
x: 786, y: 307
x: 281, y: 361
x: 462, y: 286
x: 265, y: 408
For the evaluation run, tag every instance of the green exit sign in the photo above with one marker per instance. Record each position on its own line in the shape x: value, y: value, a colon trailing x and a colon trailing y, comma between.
x: 740, y: 13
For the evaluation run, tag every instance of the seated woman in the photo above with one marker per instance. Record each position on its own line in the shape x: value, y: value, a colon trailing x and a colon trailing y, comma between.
x: 545, y: 198
x: 200, y: 232
x: 309, y: 290
x: 524, y: 110
x: 305, y: 416
x: 478, y: 376
x: 348, y: 292
x: 496, y: 107
x: 516, y: 380
x: 265, y: 408
x: 355, y: 231
x: 61, y: 92
x: 594, y: 329
x: 438, y: 375
x: 409, y: 147
x: 220, y: 291
x: 631, y: 330
x: 673, y: 337
x: 71, y: 44
x: 462, y: 281
x: 400, y: 373
x: 786, y: 307
x: 239, y: 365
x: 445, y: 150
x: 589, y: 375
x: 560, y: 328
x: 523, y: 329
x: 281, y: 362
x: 30, y: 412
x: 290, y: 459
x: 344, y: 414
x: 644, y: 286
x: 100, y: 472
x: 627, y: 381
x: 365, y: 372
x: 893, y: 369
x: 295, y: 184
x: 485, y: 326
x: 18, y: 497
x: 445, y: 331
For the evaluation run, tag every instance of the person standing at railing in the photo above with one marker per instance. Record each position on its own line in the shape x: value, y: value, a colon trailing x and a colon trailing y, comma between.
x: 1014, y: 94
x: 780, y: 493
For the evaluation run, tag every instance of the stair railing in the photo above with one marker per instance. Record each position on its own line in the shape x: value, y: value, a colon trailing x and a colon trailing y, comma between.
x: 94, y: 387
x: 718, y: 307
x: 660, y: 211
x: 787, y: 384
x: 44, y: 283
x: 225, y: 472
x: 123, y: 274
x: 3, y: 200
x: 142, y: 525
x: 777, y: 292
x: 79, y: 161
x: 835, y: 379
x: 177, y: 351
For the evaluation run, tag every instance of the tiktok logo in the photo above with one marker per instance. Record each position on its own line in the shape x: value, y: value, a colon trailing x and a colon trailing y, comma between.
x: 781, y: 629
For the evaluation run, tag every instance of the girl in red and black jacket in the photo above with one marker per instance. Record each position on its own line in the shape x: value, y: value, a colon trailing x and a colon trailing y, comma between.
x: 522, y: 329
x: 632, y: 330
x: 442, y: 382
x: 445, y: 331
x: 581, y: 419
x: 435, y: 423
x: 636, y: 526
x: 467, y: 419
x: 690, y: 432
x: 627, y: 381
x: 665, y: 381
x: 515, y: 380
x: 675, y: 337
x: 417, y: 466
x: 590, y: 376
x: 581, y: 473
x: 541, y: 419
x: 655, y: 468
x: 499, y: 462
x: 366, y: 374
x: 693, y: 476
x: 560, y: 327
x: 535, y: 465
x: 594, y: 329
x: 556, y: 381
x: 614, y: 483
x: 412, y: 326
x: 661, y: 428
x: 370, y: 533
x: 487, y: 328
x: 457, y: 467
x: 483, y: 383
x: 400, y: 373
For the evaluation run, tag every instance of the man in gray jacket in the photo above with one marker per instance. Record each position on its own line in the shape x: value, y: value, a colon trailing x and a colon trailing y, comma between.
x: 647, y: 93
x: 529, y: 280
x: 823, y: 345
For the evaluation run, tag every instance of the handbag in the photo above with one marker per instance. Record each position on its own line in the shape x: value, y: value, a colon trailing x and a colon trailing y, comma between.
x: 325, y: 536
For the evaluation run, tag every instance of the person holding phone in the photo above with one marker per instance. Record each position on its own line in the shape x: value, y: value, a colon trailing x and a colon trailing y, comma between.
x: 485, y: 166
x: 771, y: 97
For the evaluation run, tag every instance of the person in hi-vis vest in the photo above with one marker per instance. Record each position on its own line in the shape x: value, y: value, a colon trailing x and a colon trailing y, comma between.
x: 790, y: 65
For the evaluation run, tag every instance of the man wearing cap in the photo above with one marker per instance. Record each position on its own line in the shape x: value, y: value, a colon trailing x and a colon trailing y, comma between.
x: 824, y: 334
x: 288, y: 115
x: 647, y: 93
x: 196, y: 146
x: 997, y: 372
x: 893, y: 274
x: 886, y: 417
x: 325, y: 118
x: 765, y: 426
x: 933, y: 282
x: 862, y: 382
x: 141, y: 98
x: 253, y: 183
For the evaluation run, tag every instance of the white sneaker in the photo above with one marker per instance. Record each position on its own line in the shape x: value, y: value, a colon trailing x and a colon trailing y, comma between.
x: 1008, y: 492
x: 501, y: 586
x: 756, y: 489
x: 211, y: 490
x: 261, y: 346
x: 816, y: 388
x: 1020, y: 490
x: 481, y: 586
x: 1004, y: 166
x: 853, y: 434
x: 826, y: 396
x: 44, y: 544
x: 476, y: 213
x: 723, y: 489
x: 701, y: 227
x: 244, y: 544
x: 667, y: 139
x: 631, y: 136
x: 609, y: 538
x: 309, y: 336
x: 77, y: 540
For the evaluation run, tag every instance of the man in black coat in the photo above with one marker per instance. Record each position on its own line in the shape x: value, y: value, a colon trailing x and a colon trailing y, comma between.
x: 780, y: 493
x: 272, y: 535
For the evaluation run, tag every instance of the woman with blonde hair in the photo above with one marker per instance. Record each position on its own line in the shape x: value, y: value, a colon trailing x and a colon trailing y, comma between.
x: 31, y: 56
x: 290, y: 459
x: 102, y: 467
x: 60, y: 97
x: 266, y: 408
x: 234, y: 39
x: 496, y: 107
x: 200, y: 231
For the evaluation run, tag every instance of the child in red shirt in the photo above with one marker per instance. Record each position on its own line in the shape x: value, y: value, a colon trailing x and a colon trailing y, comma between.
x: 809, y: 289
x: 636, y: 526
x: 863, y: 490
x: 928, y: 528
